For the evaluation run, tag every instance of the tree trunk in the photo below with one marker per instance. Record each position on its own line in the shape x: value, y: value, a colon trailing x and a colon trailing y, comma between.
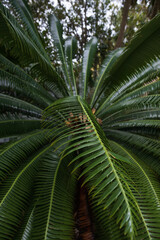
x: 85, y: 22
x: 96, y: 34
x: 155, y: 9
x: 84, y: 225
x: 125, y: 11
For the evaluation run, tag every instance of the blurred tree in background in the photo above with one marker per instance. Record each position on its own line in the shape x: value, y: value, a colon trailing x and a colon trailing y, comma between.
x: 86, y: 18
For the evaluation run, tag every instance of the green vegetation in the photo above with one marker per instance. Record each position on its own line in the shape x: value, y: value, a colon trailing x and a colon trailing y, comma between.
x: 79, y: 157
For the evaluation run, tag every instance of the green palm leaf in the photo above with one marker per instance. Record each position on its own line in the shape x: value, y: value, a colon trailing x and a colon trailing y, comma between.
x: 7, y: 65
x: 57, y: 150
x: 147, y: 145
x: 103, y: 72
x: 23, y: 88
x: 146, y: 77
x: 148, y: 89
x: 88, y: 58
x: 10, y: 127
x: 23, y: 11
x: 12, y: 31
x: 100, y: 160
x: 147, y: 192
x: 8, y: 103
x: 17, y: 152
x: 18, y: 186
x: 56, y: 32
x: 70, y: 47
x: 136, y: 56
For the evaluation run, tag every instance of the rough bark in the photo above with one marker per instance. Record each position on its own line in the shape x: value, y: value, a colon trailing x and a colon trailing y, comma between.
x: 155, y: 9
x: 125, y: 11
x: 84, y: 225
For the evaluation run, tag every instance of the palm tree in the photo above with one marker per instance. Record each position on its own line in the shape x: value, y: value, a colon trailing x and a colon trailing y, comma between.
x: 78, y: 161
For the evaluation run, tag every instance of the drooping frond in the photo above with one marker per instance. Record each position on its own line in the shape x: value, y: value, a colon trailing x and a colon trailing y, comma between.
x: 135, y: 58
x: 109, y: 183
x: 53, y: 202
x: 8, y: 103
x: 145, y: 186
x: 146, y: 148
x: 22, y: 88
x: 18, y: 151
x: 32, y: 159
x: 23, y: 12
x: 18, y: 185
x: 8, y: 66
x: 21, y: 46
x: 50, y: 150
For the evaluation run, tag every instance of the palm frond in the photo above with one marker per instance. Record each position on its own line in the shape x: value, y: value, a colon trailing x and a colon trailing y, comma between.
x: 145, y: 90
x: 104, y: 71
x: 146, y: 76
x: 52, y: 149
x: 16, y: 153
x: 59, y: 206
x: 145, y: 186
x: 8, y: 66
x: 141, y: 52
x: 11, y: 127
x: 101, y: 176
x: 18, y: 186
x: 88, y: 58
x: 22, y: 9
x: 106, y: 226
x: 56, y: 32
x: 22, y: 47
x: 141, y: 144
x: 11, y: 104
x: 70, y: 48
x: 22, y: 88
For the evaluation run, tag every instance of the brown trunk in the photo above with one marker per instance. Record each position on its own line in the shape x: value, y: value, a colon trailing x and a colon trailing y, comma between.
x: 155, y: 9
x: 84, y: 25
x: 96, y: 34
x: 85, y: 22
x: 84, y: 229
x: 125, y: 11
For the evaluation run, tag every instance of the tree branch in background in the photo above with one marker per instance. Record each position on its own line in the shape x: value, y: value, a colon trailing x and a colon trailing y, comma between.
x: 155, y: 9
x: 125, y: 11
